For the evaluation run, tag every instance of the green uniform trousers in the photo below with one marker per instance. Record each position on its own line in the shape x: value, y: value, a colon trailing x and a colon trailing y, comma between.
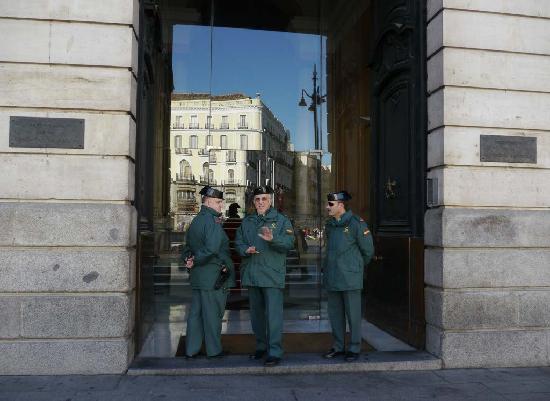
x: 205, y: 321
x: 266, y: 316
x: 342, y: 305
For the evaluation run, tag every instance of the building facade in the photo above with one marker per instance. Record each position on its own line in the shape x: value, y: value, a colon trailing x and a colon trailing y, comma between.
x: 210, y: 139
x: 80, y: 83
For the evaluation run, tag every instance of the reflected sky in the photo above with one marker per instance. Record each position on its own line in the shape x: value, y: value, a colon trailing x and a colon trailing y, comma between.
x: 275, y: 64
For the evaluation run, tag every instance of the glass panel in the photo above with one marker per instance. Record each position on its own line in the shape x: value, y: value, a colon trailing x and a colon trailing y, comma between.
x: 250, y: 107
x: 168, y: 282
x: 294, y: 177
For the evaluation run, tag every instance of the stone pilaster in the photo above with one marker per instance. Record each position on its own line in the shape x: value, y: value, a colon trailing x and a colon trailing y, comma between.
x: 68, y: 227
x: 488, y: 248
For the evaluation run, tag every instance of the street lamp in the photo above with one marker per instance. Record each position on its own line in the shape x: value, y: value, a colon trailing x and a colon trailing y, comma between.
x: 316, y: 100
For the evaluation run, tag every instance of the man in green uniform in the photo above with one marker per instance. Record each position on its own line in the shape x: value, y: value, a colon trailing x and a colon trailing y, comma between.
x: 349, y: 249
x: 263, y: 240
x: 206, y: 254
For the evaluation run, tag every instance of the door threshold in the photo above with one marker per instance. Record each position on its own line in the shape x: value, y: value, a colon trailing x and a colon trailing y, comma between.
x: 291, y: 363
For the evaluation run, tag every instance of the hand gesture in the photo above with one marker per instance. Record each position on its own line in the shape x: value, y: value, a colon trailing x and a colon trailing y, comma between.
x: 251, y: 250
x: 266, y: 234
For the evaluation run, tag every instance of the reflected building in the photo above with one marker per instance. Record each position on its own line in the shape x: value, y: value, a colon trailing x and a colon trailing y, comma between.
x: 213, y: 139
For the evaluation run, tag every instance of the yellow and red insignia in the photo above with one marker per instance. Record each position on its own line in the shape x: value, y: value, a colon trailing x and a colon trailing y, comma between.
x: 366, y: 232
x: 289, y: 231
x: 273, y: 225
x: 346, y: 229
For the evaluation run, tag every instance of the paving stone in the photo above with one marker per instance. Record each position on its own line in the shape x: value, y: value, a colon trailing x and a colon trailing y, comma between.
x: 520, y: 387
x: 46, y: 396
x: 491, y: 375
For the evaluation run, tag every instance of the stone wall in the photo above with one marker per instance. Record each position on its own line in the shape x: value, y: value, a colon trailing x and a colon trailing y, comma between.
x: 488, y: 233
x: 67, y: 225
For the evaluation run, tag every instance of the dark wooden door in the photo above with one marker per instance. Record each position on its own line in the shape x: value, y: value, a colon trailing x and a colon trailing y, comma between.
x: 395, y: 283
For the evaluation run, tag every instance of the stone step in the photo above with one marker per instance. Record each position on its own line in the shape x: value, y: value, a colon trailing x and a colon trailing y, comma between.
x: 292, y: 363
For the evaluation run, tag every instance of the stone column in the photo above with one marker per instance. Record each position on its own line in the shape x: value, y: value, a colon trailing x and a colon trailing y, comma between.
x: 488, y: 231
x: 67, y: 226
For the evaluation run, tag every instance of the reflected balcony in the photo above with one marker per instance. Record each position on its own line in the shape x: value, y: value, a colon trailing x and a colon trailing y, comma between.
x: 185, y: 179
x: 242, y: 126
x: 187, y: 206
x: 184, y: 151
x: 204, y: 180
x: 203, y: 152
x: 178, y: 126
x: 224, y: 126
x: 193, y: 125
x: 232, y: 182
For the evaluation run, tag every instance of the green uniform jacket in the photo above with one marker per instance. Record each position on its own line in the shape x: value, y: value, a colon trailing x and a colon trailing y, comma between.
x: 349, y: 249
x: 207, y: 241
x: 268, y: 267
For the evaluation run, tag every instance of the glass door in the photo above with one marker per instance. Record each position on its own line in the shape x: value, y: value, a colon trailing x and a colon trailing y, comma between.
x: 241, y: 80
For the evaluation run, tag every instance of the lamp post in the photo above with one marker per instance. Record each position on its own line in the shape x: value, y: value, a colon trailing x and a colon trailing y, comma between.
x: 316, y: 100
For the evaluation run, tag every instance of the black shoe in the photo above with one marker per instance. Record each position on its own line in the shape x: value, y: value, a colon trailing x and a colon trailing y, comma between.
x: 257, y: 355
x: 351, y: 356
x: 191, y: 356
x: 272, y: 361
x: 333, y: 353
x: 220, y: 355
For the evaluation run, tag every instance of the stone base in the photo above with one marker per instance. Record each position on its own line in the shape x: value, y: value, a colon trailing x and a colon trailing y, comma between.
x: 484, y: 349
x: 62, y: 357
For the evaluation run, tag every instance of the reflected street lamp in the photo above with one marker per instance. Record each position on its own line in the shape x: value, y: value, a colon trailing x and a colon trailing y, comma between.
x: 316, y: 100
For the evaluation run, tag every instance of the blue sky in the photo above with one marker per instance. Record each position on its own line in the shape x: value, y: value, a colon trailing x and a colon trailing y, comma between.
x: 275, y: 64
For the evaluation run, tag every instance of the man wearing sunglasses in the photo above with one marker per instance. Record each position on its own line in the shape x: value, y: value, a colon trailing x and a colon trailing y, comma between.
x: 263, y: 240
x: 206, y: 254
x: 349, y: 249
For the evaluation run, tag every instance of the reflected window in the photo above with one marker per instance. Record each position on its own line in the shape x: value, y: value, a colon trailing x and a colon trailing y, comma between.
x: 211, y: 177
x: 225, y: 122
x: 231, y: 156
x: 194, y: 124
x: 177, y: 142
x: 209, y: 122
x: 230, y: 196
x: 212, y: 158
x: 223, y: 141
x: 242, y: 122
x: 179, y: 122
x: 230, y: 176
x: 244, y: 142
x: 204, y: 176
x: 209, y: 140
x: 193, y: 142
x: 185, y: 172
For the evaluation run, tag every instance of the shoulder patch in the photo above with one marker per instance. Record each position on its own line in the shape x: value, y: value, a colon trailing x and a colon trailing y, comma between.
x: 289, y: 231
x: 366, y: 232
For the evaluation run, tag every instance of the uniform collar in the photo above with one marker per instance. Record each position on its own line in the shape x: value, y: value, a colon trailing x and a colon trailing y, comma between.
x: 269, y: 214
x: 344, y: 219
x: 209, y: 210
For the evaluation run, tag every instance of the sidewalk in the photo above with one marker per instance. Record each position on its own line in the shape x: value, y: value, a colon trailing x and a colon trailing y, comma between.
x: 463, y: 384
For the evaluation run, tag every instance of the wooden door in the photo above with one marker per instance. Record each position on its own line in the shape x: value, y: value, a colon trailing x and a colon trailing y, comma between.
x: 395, y: 283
